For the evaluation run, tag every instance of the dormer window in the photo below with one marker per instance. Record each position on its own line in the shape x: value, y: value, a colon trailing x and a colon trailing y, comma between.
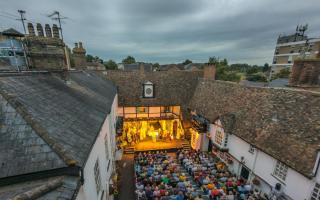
x: 148, y: 90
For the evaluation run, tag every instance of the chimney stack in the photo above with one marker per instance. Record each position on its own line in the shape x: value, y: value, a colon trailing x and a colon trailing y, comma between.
x: 209, y: 71
x: 76, y: 45
x: 80, y: 45
x: 141, y: 68
x: 55, y: 31
x: 40, y: 30
x: 48, y: 31
x: 31, y: 29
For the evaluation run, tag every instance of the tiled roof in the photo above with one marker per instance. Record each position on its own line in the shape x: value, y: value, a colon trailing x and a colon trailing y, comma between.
x: 56, y: 122
x: 171, y: 87
x: 283, y: 123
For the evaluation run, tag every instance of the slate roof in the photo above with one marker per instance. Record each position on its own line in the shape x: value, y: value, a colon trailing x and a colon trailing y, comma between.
x: 12, y: 32
x: 283, y: 123
x: 63, y: 118
x: 61, y: 187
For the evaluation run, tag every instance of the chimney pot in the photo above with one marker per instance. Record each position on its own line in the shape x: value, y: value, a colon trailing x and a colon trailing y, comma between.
x: 40, y: 30
x: 55, y: 31
x: 31, y: 29
x: 48, y: 31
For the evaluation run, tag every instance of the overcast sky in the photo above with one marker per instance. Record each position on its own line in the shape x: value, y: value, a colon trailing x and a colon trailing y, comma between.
x: 169, y: 31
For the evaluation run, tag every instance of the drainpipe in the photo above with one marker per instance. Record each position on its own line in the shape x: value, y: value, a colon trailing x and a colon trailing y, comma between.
x: 254, y: 164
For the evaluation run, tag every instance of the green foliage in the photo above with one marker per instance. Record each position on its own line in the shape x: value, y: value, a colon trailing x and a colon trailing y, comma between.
x: 284, y: 73
x: 217, y: 61
x: 257, y: 77
x: 129, y: 60
x: 98, y: 60
x: 266, y: 67
x: 110, y: 64
x: 156, y: 66
x: 253, y: 70
x: 187, y: 62
x: 89, y: 58
x: 229, y: 76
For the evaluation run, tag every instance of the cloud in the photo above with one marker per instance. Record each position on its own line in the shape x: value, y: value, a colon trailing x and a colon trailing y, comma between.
x: 170, y: 31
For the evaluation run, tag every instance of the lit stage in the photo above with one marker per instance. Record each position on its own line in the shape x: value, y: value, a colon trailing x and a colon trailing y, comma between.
x: 149, y: 145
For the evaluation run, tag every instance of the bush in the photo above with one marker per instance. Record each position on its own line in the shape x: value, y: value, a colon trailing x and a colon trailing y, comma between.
x: 258, y: 77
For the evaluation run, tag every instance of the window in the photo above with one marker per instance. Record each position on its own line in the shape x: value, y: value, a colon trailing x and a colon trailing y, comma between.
x: 251, y: 149
x: 148, y: 90
x: 219, y: 137
x: 166, y: 109
x: 316, y: 192
x: 97, y: 176
x: 106, y: 143
x: 142, y: 110
x: 281, y: 171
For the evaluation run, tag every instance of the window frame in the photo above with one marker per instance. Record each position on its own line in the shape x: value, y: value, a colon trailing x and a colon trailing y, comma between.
x: 315, y: 194
x: 280, y: 170
x: 219, y: 138
x: 97, y: 176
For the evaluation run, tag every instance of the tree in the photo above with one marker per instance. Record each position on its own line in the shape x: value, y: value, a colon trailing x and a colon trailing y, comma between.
x: 110, y: 64
x: 258, y: 77
x: 89, y: 58
x: 266, y: 67
x: 156, y: 66
x: 129, y: 60
x: 187, y: 62
x: 98, y: 60
x: 224, y: 62
x: 284, y: 73
x: 213, y: 60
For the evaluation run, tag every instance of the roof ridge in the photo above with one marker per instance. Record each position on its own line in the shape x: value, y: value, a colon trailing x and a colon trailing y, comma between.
x: 40, y: 190
x: 41, y: 132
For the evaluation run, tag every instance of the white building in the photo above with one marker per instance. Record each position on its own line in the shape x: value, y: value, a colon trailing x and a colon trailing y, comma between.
x: 57, y: 139
x: 260, y: 168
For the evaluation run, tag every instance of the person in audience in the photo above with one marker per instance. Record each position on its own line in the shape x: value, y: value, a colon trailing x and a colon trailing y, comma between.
x: 190, y: 175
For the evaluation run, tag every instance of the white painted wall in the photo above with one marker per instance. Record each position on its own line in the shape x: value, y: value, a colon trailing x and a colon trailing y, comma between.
x: 98, y: 152
x: 296, y: 186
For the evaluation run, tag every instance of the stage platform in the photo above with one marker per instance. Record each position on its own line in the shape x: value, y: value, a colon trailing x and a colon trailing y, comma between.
x: 170, y: 146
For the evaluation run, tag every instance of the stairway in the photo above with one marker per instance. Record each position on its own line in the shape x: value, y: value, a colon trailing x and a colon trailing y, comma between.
x: 129, y: 150
x: 186, y: 145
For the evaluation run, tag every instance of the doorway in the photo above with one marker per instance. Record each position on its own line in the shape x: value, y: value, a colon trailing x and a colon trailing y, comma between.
x: 210, y: 145
x: 244, y: 172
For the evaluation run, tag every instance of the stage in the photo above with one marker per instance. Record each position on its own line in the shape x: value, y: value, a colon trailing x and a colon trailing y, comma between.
x: 170, y: 146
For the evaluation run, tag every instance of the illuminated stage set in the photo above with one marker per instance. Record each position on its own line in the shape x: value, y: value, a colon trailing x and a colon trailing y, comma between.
x: 151, y: 128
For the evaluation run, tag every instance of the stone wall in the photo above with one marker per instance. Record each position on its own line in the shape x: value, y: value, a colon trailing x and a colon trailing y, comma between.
x: 305, y: 73
x: 45, y: 51
x: 79, y: 56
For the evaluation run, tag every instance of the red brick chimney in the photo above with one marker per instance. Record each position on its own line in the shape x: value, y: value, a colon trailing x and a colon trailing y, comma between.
x: 209, y: 71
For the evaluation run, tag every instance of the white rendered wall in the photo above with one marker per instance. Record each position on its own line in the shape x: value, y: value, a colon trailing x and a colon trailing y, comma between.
x: 297, y: 186
x: 98, y: 152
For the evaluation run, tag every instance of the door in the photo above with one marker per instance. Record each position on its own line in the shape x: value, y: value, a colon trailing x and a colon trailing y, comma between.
x: 244, y: 172
x: 210, y: 145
